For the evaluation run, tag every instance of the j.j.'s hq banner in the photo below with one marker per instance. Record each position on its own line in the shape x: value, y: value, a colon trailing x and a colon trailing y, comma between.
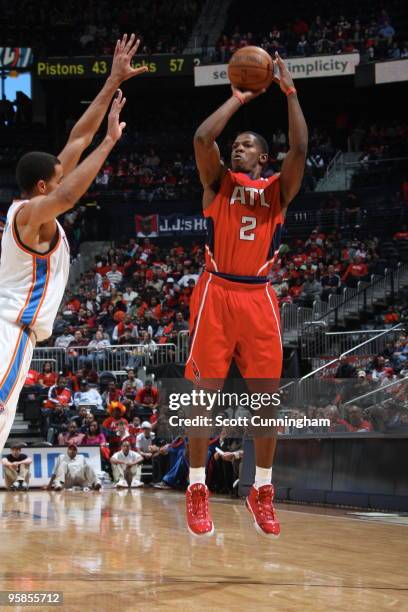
x: 168, y: 225
x: 299, y: 67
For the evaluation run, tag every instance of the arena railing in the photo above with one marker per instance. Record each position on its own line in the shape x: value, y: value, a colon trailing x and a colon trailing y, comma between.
x: 353, y: 300
x: 37, y: 364
x: 307, y: 388
x: 114, y: 358
x: 323, y: 344
x: 360, y: 345
x: 292, y: 318
x: 377, y: 393
x: 371, y: 167
x: 183, y: 346
x: 299, y: 320
x: 53, y: 354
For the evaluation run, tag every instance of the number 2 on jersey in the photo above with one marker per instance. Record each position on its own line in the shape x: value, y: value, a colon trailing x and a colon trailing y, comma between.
x: 248, y: 224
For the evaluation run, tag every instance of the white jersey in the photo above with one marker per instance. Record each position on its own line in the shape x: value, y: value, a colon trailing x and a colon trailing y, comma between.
x: 31, y: 284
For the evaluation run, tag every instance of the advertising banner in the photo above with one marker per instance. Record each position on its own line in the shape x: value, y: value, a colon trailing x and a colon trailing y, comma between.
x: 391, y: 72
x: 299, y: 67
x: 186, y: 225
x: 151, y: 226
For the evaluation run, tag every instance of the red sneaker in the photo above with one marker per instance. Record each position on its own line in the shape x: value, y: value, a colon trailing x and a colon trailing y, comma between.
x: 259, y: 503
x: 199, y: 520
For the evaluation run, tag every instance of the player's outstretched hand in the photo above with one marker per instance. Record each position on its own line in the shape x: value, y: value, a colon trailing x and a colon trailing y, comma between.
x: 122, y: 60
x: 246, y: 96
x: 285, y: 80
x: 115, y: 126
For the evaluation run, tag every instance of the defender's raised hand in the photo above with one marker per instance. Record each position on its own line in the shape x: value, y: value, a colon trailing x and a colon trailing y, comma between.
x: 122, y: 60
x: 115, y: 126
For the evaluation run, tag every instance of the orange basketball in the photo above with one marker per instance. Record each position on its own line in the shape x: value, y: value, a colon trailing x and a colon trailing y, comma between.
x: 250, y: 68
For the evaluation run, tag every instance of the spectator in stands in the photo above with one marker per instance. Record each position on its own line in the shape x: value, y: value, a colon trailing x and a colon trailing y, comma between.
x: 180, y: 324
x: 129, y: 296
x: 284, y: 296
x: 132, y: 385
x: 144, y: 442
x: 88, y: 396
x: 32, y: 378
x: 95, y: 437
x: 355, y: 421
x: 65, y: 339
x: 57, y: 422
x: 389, y: 377
x: 117, y: 413
x: 126, y: 467
x: 331, y: 282
x: 336, y: 423
x: 355, y: 272
x: 361, y: 386
x: 177, y: 465
x: 387, y: 31
x: 345, y: 369
x: 112, y: 394
x: 148, y: 396
x: 16, y: 466
x: 223, y: 465
x: 59, y: 394
x: 98, y: 351
x: 76, y: 353
x: 72, y: 436
x: 121, y: 434
x: 47, y: 378
x: 114, y: 275
x: 72, y: 469
x: 83, y: 373
x: 81, y: 418
x: 135, y: 426
x: 312, y: 290
x: 377, y: 371
x: 118, y: 334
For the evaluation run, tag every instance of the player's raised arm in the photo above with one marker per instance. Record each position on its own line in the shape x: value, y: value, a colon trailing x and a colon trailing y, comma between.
x: 86, y: 127
x: 207, y: 153
x: 293, y: 166
x: 43, y: 209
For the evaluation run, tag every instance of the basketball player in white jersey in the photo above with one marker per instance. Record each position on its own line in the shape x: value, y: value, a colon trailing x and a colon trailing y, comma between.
x: 34, y: 264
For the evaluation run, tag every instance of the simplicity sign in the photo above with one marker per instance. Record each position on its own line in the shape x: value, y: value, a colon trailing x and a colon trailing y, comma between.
x: 299, y: 67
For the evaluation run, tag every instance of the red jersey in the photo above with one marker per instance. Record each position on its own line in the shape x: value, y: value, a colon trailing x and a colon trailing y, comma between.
x: 244, y: 224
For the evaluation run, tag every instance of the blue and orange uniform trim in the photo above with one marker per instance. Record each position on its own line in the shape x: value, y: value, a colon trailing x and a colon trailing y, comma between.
x: 12, y: 373
x: 28, y: 314
x: 37, y: 292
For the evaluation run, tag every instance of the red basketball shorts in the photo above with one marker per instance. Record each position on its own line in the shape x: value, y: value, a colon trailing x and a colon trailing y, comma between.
x: 237, y: 320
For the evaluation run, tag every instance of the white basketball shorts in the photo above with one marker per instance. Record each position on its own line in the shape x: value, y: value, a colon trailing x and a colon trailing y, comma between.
x: 16, y: 350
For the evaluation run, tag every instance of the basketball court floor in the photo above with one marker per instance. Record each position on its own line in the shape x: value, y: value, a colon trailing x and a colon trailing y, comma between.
x: 131, y: 551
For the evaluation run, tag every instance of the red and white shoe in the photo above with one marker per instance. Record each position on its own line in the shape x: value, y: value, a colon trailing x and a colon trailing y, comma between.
x: 199, y: 520
x: 260, y: 503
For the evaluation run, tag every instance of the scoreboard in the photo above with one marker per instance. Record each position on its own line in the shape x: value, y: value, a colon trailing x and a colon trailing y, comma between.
x: 99, y: 67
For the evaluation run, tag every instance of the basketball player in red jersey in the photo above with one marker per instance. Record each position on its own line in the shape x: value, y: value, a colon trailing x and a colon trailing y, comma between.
x: 234, y: 310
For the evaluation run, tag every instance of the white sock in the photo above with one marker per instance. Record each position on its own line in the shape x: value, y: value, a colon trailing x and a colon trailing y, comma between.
x: 263, y: 476
x: 197, y: 475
